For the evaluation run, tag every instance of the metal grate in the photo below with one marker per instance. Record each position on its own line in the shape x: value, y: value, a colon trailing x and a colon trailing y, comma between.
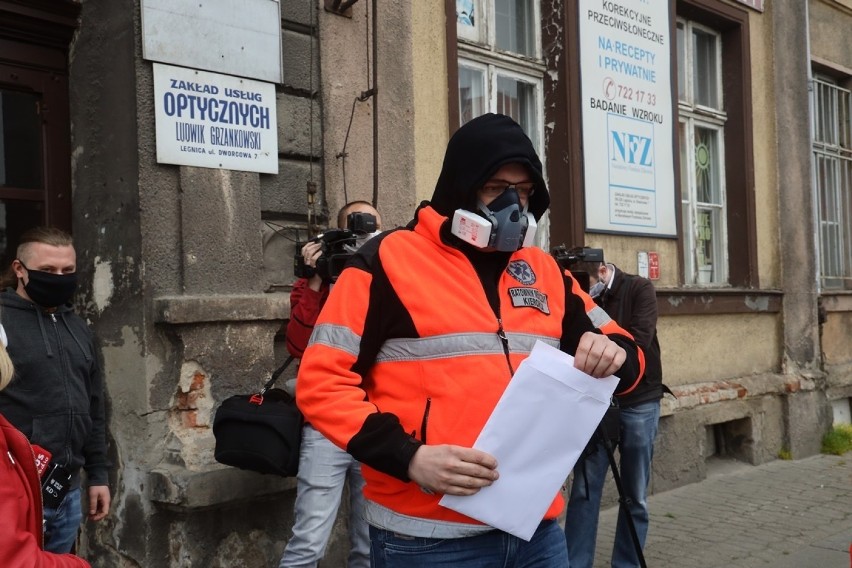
x: 832, y: 132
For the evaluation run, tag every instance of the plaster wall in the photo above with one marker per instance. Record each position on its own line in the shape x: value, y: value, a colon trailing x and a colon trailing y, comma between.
x: 794, y: 196
x: 718, y: 347
x: 835, y: 338
x: 429, y: 67
x: 830, y: 39
x: 765, y: 149
x: 345, y: 76
x: 623, y: 252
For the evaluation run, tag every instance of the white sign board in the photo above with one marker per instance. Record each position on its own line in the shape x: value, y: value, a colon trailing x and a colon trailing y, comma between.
x: 236, y: 37
x: 627, y: 116
x: 214, y: 121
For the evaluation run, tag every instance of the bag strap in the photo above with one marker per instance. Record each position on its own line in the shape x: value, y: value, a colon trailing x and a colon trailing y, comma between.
x: 275, y: 375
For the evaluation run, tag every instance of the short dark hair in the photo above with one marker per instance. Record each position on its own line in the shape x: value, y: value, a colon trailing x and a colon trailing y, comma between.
x: 45, y: 235
x: 590, y: 267
x: 341, y: 215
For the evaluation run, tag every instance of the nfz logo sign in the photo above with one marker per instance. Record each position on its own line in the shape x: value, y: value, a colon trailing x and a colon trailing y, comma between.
x: 631, y: 148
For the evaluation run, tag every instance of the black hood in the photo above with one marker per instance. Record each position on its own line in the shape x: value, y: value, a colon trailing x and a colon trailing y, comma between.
x: 477, y: 150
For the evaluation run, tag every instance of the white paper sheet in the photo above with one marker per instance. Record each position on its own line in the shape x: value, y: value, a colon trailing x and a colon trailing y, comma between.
x: 536, y: 432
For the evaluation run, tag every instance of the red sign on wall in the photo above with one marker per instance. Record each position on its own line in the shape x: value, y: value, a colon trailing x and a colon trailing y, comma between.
x: 653, y: 266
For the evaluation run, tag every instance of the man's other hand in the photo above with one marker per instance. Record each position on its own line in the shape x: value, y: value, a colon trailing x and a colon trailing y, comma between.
x: 99, y: 500
x: 452, y: 470
x: 598, y: 355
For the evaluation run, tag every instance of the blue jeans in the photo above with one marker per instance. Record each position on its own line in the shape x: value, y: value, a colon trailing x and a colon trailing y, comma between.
x: 323, y: 470
x: 62, y: 524
x: 494, y: 549
x: 636, y: 448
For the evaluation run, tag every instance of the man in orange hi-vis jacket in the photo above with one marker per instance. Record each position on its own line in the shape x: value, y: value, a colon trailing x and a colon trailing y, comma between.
x: 420, y: 337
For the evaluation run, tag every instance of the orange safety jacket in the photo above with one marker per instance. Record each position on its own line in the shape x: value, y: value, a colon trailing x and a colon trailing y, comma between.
x: 408, y: 351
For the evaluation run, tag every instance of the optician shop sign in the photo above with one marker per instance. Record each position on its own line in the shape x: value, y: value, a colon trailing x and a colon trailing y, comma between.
x: 628, y: 135
x: 211, y: 120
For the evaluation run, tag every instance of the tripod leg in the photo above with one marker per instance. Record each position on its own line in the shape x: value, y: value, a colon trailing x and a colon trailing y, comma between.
x: 623, y: 502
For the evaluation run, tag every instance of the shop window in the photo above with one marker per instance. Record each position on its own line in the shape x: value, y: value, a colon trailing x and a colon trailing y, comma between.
x: 832, y: 147
x: 701, y: 139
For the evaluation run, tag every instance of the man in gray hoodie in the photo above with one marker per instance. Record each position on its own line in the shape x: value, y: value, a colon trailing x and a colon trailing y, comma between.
x: 57, y: 396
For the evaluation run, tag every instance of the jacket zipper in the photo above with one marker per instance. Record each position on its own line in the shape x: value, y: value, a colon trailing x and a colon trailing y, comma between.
x: 501, y: 333
x: 425, y: 420
x: 65, y: 384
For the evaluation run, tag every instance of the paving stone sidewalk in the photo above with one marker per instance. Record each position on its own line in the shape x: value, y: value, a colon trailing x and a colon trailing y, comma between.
x: 784, y: 514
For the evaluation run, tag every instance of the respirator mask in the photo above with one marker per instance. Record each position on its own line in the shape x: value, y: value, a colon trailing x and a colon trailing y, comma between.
x: 503, y: 224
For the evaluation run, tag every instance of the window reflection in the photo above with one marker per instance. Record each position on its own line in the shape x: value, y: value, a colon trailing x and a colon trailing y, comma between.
x: 20, y: 143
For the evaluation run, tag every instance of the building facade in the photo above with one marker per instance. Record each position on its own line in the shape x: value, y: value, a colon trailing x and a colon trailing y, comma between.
x: 187, y: 269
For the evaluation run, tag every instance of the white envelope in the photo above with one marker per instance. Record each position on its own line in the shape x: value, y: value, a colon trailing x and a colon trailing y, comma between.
x: 536, y: 432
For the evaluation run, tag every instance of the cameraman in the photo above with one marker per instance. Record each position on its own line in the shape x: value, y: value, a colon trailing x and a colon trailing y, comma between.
x: 323, y: 467
x: 632, y: 302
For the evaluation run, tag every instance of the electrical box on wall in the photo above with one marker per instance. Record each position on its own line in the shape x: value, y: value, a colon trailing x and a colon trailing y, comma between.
x: 648, y: 264
x: 642, y: 264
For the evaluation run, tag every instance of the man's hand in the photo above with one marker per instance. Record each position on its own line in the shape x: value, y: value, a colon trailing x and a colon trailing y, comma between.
x: 598, y: 355
x: 452, y: 470
x: 99, y: 500
x: 311, y: 252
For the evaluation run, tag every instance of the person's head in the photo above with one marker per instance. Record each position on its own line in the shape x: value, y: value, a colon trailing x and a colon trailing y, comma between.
x: 491, y: 169
x: 46, y: 267
x: 357, y: 207
x: 599, y: 273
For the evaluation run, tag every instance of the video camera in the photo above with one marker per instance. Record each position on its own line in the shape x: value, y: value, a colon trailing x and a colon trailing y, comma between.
x: 568, y: 259
x: 337, y: 246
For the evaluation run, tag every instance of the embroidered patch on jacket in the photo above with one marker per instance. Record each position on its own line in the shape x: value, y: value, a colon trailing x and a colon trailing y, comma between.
x: 521, y: 271
x: 529, y: 298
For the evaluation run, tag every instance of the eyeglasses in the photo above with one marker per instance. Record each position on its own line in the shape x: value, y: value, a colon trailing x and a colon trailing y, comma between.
x: 494, y: 190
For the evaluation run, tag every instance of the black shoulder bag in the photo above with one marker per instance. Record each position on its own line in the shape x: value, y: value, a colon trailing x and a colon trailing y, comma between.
x: 261, y: 431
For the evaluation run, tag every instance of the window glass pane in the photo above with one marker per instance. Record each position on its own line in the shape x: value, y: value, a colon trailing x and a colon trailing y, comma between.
x: 518, y: 99
x: 681, y: 62
x: 471, y: 93
x: 514, y: 26
x: 15, y: 218
x: 20, y: 143
x: 705, y: 79
x: 707, y: 245
x: 706, y: 166
x: 465, y: 13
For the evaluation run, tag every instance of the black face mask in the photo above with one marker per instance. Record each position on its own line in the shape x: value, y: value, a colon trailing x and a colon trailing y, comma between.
x: 50, y: 290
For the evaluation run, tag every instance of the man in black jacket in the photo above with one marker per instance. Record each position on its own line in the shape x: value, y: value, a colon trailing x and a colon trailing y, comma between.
x: 631, y: 301
x: 56, y: 397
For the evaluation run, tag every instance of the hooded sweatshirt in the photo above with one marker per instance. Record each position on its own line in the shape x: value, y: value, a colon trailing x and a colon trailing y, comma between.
x: 421, y: 335
x: 56, y: 396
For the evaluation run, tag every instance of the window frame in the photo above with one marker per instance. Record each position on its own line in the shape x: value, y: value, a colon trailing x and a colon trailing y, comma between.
x: 837, y: 155
x: 476, y: 53
x: 485, y: 54
x: 732, y: 25
x: 693, y: 115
